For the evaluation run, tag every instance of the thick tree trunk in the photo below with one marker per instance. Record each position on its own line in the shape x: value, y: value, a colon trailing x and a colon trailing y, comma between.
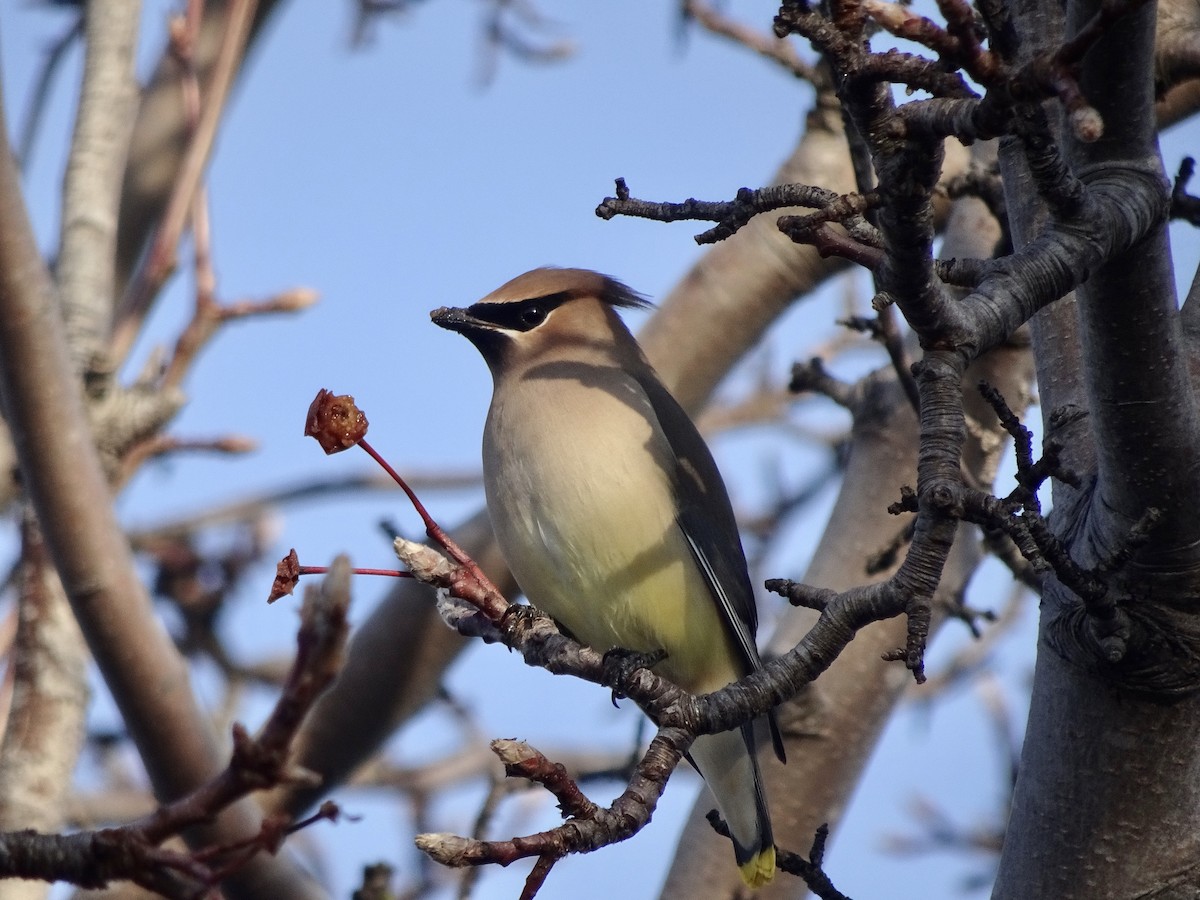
x: 1107, y: 802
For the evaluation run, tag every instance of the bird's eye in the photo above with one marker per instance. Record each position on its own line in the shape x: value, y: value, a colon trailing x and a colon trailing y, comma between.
x: 533, y: 316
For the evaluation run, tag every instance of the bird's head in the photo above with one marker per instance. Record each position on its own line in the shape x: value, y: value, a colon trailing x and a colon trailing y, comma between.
x: 562, y: 312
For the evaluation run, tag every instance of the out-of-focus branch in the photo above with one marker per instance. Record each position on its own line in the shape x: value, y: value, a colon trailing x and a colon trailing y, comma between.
x: 1179, y: 103
x: 254, y: 507
x: 70, y: 494
x: 133, y: 852
x: 208, y: 314
x: 91, y: 187
x: 8, y: 635
x: 160, y: 135
x: 211, y: 315
x: 45, y: 728
x: 160, y: 256
x: 40, y: 94
x: 161, y: 445
x: 766, y: 45
x: 519, y: 30
x: 1176, y: 44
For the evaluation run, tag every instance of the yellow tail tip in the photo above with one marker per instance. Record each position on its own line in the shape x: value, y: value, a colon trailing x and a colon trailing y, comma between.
x: 759, y: 869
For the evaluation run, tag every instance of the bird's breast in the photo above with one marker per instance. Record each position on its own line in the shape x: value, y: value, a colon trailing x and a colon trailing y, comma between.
x: 579, y: 489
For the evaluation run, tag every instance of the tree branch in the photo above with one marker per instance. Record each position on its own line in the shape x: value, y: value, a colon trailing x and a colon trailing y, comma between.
x: 92, y: 185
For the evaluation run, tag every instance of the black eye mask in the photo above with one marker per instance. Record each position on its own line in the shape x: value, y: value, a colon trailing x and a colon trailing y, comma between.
x: 524, y: 315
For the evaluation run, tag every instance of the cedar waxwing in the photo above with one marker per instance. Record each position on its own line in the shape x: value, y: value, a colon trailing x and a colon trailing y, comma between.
x: 611, y: 513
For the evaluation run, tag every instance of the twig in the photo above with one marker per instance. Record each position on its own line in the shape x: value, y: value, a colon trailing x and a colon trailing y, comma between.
x: 731, y: 215
x: 811, y: 870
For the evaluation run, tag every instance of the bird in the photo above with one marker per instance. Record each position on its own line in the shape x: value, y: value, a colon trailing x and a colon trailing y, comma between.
x: 611, y: 513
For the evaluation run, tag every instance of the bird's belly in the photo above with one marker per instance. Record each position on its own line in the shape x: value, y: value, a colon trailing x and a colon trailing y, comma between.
x: 589, y: 532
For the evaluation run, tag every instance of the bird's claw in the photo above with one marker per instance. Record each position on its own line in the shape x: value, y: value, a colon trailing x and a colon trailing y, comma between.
x: 517, y: 616
x: 620, y: 665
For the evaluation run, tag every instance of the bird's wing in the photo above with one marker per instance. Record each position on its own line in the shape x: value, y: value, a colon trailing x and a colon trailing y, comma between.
x: 706, y: 519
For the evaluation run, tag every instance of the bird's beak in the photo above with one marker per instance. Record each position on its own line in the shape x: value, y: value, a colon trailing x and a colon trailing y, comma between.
x: 455, y: 319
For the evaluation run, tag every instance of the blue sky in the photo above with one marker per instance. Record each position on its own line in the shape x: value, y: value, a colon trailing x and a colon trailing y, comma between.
x: 390, y: 181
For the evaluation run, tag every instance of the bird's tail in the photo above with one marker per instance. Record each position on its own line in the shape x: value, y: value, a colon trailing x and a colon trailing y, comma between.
x: 728, y: 763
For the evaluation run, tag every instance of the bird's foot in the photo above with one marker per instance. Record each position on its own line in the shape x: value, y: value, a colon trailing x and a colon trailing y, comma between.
x: 620, y: 665
x: 518, y: 616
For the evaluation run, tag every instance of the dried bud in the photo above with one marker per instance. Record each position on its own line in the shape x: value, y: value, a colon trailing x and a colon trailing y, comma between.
x: 335, y: 422
x: 287, y: 575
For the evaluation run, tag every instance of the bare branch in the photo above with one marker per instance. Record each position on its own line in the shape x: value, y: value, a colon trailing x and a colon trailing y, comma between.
x: 732, y: 215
